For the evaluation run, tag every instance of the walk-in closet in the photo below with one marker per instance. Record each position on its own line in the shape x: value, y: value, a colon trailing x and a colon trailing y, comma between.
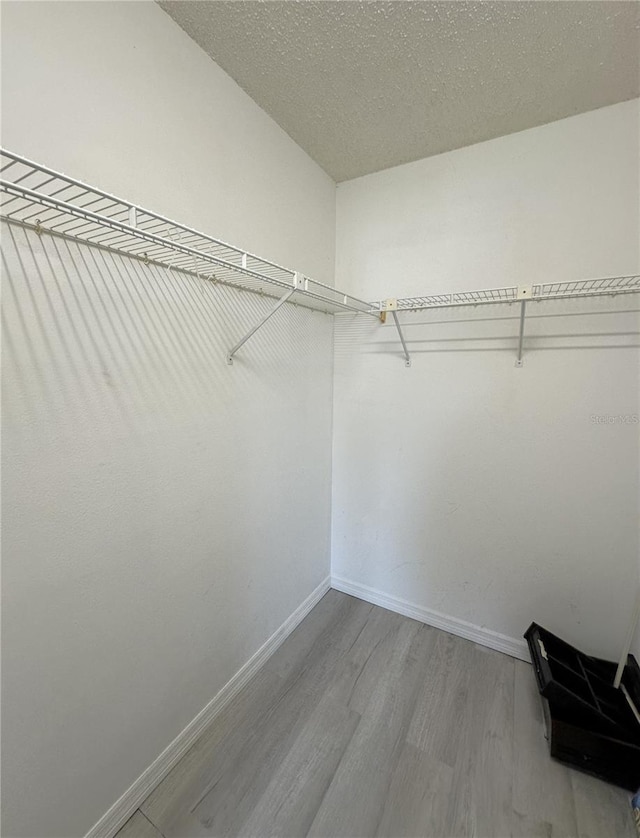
x: 320, y: 419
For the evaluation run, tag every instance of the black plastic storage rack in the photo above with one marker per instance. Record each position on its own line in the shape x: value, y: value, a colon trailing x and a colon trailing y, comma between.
x: 590, y: 725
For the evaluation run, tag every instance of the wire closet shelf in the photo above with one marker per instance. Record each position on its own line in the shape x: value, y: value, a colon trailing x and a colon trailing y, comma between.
x: 36, y: 196
x: 610, y: 285
x: 521, y: 294
x: 47, y: 201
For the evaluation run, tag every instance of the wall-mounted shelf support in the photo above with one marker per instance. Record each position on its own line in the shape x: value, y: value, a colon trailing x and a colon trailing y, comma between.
x: 392, y: 306
x: 519, y: 361
x: 407, y: 357
x: 260, y: 324
x: 524, y: 292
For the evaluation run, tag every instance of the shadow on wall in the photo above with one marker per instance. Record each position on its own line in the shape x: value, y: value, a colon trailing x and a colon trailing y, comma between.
x: 163, y: 512
x: 115, y: 379
x: 89, y: 331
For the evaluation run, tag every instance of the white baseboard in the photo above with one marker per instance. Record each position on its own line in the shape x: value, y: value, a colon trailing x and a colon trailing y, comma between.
x: 478, y: 634
x: 133, y: 797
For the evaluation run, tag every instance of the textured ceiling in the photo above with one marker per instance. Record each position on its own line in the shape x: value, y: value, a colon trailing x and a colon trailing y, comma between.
x: 362, y: 86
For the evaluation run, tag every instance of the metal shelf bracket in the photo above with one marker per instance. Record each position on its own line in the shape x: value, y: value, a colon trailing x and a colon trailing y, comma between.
x: 268, y: 316
x: 407, y: 357
x: 523, y: 305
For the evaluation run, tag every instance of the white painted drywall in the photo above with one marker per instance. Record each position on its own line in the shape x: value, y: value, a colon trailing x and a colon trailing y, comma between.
x: 465, y: 485
x: 164, y: 513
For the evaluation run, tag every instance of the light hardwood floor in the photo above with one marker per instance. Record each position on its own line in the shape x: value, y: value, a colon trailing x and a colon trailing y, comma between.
x: 366, y: 723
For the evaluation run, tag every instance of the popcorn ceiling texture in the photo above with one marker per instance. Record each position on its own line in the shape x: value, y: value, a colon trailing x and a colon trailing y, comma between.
x: 363, y: 86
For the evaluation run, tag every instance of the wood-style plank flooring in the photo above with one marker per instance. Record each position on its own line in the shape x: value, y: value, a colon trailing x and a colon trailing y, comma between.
x: 366, y: 723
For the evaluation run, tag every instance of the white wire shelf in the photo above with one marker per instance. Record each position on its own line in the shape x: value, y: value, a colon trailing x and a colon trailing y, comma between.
x: 51, y: 202
x: 39, y: 197
x: 611, y: 285
x: 521, y: 294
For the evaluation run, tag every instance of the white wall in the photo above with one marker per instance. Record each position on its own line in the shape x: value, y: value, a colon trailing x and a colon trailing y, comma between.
x: 464, y: 485
x: 163, y: 512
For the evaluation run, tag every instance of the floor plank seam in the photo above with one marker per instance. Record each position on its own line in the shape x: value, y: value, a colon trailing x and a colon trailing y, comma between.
x: 157, y: 829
